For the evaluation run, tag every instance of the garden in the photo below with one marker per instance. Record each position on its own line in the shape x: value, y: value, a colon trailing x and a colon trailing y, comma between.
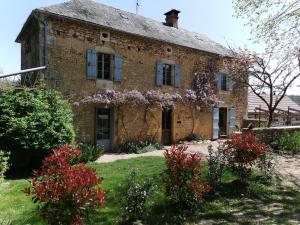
x: 52, y: 179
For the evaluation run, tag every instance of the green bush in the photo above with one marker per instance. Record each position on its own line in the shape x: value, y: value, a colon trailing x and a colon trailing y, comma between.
x: 289, y: 143
x: 194, y: 137
x: 3, y: 165
x: 135, y: 194
x: 89, y: 153
x: 32, y: 122
x: 216, y: 165
x: 138, y: 147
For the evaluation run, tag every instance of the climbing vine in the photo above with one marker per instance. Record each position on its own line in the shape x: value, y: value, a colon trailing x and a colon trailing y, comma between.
x: 201, y: 96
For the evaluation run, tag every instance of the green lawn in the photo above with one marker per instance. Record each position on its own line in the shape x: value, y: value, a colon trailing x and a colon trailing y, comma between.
x: 266, y: 202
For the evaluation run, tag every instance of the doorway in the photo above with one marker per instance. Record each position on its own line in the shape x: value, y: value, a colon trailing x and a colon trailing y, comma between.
x: 166, y: 127
x: 104, y: 125
x: 222, y: 122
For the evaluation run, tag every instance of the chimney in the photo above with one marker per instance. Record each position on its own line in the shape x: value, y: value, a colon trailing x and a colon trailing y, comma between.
x: 172, y: 18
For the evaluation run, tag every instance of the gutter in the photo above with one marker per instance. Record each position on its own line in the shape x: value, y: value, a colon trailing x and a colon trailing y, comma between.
x: 23, y: 72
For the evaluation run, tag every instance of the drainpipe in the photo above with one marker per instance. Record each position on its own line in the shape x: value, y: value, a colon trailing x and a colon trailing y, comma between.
x: 45, y: 23
x: 45, y: 51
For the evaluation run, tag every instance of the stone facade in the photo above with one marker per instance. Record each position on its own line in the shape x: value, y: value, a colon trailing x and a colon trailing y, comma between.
x: 67, y: 44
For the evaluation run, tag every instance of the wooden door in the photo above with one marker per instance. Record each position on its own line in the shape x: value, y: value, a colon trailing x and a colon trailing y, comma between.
x: 223, y: 122
x: 166, y: 127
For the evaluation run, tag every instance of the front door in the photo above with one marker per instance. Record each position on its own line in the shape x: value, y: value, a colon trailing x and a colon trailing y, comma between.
x: 223, y: 122
x: 104, y: 118
x: 166, y: 127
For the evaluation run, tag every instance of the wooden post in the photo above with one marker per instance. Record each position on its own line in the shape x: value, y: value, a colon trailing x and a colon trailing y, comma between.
x: 259, y: 111
x: 288, y: 116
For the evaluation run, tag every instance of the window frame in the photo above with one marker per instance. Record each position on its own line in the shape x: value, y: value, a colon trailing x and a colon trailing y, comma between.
x: 224, y: 81
x: 110, y: 75
x: 165, y: 80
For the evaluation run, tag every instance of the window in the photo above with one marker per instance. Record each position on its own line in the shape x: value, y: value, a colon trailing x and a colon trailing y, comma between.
x: 104, y: 36
x: 103, y: 66
x: 168, y: 50
x: 224, y: 82
x: 103, y: 124
x: 167, y: 74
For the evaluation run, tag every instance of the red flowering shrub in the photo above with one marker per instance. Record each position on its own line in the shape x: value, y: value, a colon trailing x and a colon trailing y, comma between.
x: 182, y: 177
x: 243, y: 150
x: 65, y: 193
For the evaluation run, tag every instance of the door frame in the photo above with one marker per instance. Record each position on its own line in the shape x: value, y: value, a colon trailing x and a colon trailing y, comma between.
x: 111, y: 126
x: 171, y: 126
x: 226, y: 123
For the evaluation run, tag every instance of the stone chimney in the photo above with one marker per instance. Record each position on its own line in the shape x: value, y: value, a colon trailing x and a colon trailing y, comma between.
x: 172, y: 18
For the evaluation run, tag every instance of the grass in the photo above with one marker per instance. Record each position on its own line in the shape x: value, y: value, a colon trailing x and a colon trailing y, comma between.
x: 268, y: 202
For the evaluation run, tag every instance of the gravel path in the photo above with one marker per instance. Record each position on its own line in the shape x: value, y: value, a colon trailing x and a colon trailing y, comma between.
x: 288, y: 166
x: 192, y: 147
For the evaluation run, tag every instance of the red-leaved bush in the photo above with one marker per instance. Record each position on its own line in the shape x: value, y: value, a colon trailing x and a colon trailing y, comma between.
x: 243, y: 150
x: 182, y: 178
x: 65, y: 193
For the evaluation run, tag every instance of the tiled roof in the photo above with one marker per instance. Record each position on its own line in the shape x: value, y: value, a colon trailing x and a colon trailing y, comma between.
x: 106, y: 16
x: 295, y: 98
x: 254, y: 101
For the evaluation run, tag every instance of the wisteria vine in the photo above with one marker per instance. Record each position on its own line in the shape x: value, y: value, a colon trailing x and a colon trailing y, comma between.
x: 202, y: 96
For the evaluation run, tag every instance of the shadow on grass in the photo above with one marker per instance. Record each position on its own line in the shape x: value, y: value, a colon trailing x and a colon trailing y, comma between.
x: 235, y: 202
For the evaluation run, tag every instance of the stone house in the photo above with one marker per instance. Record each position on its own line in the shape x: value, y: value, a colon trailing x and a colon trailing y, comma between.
x: 88, y: 47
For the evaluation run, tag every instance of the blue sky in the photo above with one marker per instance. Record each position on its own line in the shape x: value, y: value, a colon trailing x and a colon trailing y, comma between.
x: 213, y: 18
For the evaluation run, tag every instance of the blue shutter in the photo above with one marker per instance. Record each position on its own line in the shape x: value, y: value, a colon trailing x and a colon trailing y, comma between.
x: 118, y: 67
x: 159, y: 73
x: 177, y: 75
x: 229, y: 83
x: 91, y: 64
x: 219, y: 81
x: 215, y: 123
x: 231, y: 119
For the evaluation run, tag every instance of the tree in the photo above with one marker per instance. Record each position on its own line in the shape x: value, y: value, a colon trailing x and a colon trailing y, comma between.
x: 266, y: 74
x: 275, y: 22
x: 32, y: 122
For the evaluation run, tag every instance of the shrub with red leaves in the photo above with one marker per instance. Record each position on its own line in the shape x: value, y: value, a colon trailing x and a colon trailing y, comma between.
x: 243, y: 150
x: 65, y: 193
x: 182, y: 177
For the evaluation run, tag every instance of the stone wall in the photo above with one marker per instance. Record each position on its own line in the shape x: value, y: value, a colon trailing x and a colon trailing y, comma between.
x: 68, y: 42
x: 254, y: 123
x: 271, y: 134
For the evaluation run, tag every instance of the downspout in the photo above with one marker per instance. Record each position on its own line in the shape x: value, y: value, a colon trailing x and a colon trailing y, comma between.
x: 45, y: 51
x: 45, y: 23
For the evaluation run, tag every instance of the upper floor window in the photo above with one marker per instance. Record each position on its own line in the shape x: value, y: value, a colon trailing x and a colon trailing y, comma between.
x: 224, y: 82
x: 103, y: 66
x: 167, y: 74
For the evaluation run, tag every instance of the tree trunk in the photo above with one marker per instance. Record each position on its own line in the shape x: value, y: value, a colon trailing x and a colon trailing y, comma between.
x: 270, y: 119
x: 193, y: 119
